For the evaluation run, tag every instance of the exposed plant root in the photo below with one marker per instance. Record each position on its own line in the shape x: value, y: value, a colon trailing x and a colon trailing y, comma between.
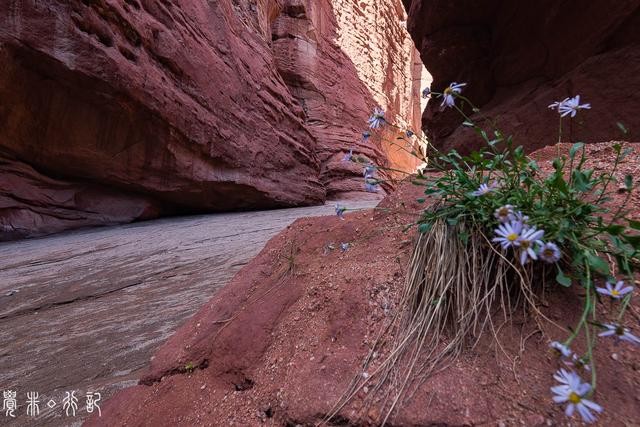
x: 451, y: 293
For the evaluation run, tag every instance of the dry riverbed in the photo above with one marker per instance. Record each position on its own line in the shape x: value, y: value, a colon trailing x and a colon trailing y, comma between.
x: 84, y: 311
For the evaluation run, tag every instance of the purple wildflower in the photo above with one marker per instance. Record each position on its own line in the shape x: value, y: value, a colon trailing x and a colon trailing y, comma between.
x: 528, y: 238
x: 549, y: 252
x: 572, y: 391
x: 377, y: 119
x: 617, y: 291
x: 508, y: 234
x: 619, y: 332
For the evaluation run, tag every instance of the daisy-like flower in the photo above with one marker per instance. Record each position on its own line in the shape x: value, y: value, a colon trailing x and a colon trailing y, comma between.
x: 371, y: 185
x: 366, y: 135
x: 528, y: 238
x: 617, y: 292
x: 577, y: 362
x: 426, y: 92
x: 571, y: 106
x: 572, y: 391
x: 560, y: 349
x: 549, y: 252
x: 369, y: 170
x: 377, y: 119
x: 619, y: 332
x: 522, y: 218
x: 449, y: 94
x: 508, y: 234
x: 485, y: 189
x: 347, y: 157
x: 556, y: 105
x: 504, y: 214
x: 340, y: 210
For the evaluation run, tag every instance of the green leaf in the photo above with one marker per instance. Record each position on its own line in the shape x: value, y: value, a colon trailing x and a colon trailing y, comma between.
x: 633, y: 240
x: 597, y: 263
x: 628, y: 182
x: 581, y: 181
x: 634, y: 224
x: 574, y: 149
x: 452, y: 221
x: 420, y: 200
x: 562, y: 279
x: 622, y: 128
x: 423, y: 228
x: 615, y: 229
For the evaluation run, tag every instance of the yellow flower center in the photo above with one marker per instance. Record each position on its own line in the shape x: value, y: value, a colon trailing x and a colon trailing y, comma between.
x: 512, y: 237
x: 524, y: 244
x: 574, y: 398
x: 503, y: 212
x: 615, y: 293
x: 448, y: 91
x: 548, y: 253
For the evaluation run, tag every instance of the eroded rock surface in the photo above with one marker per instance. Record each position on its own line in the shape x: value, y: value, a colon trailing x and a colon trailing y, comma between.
x: 519, y: 57
x: 189, y: 106
x: 340, y: 59
x: 84, y: 311
x: 281, y: 344
x: 153, y: 98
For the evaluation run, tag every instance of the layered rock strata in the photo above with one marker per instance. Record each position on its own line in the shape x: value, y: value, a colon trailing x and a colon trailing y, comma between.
x: 170, y: 107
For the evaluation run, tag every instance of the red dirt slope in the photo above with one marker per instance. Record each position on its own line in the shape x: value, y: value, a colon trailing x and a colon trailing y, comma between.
x: 281, y: 343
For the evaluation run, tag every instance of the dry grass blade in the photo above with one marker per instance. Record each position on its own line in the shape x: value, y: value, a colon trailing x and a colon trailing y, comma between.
x: 451, y: 290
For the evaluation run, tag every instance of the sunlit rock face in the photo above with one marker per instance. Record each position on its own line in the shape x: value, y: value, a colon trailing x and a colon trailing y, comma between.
x: 518, y: 57
x: 127, y: 110
x: 342, y: 58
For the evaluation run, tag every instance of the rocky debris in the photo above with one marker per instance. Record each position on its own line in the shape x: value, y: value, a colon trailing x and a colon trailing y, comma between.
x: 519, y: 57
x: 123, y: 111
x: 298, y: 320
x: 85, y: 311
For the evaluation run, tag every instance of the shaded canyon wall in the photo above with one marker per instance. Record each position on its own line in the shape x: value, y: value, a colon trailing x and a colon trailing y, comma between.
x: 519, y: 57
x: 114, y: 111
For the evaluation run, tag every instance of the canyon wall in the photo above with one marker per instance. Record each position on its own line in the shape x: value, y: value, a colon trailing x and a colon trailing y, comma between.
x: 340, y: 59
x: 118, y: 111
x: 519, y: 57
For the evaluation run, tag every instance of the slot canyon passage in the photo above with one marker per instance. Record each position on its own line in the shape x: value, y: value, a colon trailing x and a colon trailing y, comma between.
x: 202, y: 221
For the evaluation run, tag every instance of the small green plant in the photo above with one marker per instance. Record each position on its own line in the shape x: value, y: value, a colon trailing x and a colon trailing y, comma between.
x: 189, y: 367
x: 496, y: 231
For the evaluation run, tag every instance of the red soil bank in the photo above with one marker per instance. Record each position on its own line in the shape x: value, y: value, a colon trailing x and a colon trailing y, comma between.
x: 281, y: 343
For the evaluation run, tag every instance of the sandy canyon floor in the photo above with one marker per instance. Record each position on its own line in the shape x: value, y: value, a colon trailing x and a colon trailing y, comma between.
x: 84, y: 311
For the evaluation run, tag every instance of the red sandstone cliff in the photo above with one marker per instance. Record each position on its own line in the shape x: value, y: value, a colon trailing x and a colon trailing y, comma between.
x: 341, y: 59
x: 115, y: 111
x: 518, y: 57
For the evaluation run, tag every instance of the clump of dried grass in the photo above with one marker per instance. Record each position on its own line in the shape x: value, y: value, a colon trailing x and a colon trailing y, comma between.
x: 453, y: 290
